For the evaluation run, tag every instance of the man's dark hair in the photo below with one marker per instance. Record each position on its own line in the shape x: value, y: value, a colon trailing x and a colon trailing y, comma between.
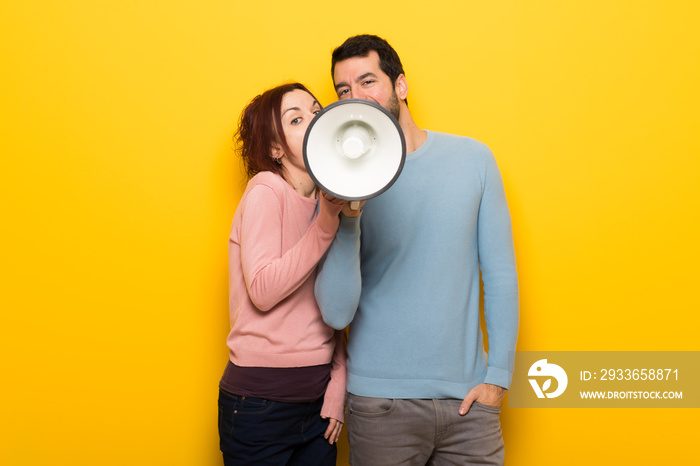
x: 361, y: 46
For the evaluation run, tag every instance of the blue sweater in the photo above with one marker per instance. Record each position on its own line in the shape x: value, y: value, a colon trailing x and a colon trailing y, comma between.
x: 405, y: 276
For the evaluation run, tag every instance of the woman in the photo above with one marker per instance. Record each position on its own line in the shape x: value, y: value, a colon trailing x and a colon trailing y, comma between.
x: 282, y: 394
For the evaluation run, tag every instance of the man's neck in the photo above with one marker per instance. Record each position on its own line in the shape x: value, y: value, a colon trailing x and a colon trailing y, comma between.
x: 415, y: 137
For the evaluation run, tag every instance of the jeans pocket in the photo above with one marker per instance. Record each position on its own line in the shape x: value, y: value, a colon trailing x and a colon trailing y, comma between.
x: 252, y: 406
x: 238, y: 413
x: 369, y: 407
x: 490, y: 409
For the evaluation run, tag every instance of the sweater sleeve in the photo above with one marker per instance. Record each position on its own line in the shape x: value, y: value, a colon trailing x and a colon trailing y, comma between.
x: 270, y: 273
x: 334, y: 399
x: 339, y: 280
x: 499, y: 275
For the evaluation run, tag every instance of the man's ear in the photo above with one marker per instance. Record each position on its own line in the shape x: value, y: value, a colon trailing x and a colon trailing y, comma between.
x: 401, y: 87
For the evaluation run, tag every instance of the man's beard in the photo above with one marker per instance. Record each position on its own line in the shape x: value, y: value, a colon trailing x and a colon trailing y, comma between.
x: 393, y: 105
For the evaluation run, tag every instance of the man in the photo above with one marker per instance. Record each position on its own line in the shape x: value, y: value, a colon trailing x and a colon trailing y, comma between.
x: 404, y: 273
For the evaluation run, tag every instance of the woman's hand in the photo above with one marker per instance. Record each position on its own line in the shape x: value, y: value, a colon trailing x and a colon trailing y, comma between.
x: 348, y: 210
x: 333, y: 431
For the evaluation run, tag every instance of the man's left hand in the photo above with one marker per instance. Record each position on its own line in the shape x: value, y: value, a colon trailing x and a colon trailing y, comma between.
x: 486, y: 394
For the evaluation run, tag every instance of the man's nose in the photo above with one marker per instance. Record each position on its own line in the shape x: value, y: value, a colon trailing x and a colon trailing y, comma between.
x: 359, y: 94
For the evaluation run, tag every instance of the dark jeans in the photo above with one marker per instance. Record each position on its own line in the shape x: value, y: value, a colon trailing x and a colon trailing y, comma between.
x: 264, y: 432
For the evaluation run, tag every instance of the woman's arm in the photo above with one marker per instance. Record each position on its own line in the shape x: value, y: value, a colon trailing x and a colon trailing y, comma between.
x: 334, y: 399
x: 271, y: 274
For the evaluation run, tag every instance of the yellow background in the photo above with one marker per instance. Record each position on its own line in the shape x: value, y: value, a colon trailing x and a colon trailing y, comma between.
x: 118, y: 186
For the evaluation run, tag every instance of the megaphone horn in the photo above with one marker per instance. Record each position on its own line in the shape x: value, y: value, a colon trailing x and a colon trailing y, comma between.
x: 354, y: 149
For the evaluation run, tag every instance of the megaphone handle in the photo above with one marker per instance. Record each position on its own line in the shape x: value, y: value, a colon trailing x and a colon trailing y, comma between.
x: 354, y: 205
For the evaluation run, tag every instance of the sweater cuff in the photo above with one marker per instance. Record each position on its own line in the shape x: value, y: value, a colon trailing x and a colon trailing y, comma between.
x: 328, y: 216
x: 500, y: 377
x: 333, y: 408
x: 350, y: 224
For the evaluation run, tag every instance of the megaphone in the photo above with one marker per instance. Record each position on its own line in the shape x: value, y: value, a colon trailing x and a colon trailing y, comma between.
x: 354, y: 150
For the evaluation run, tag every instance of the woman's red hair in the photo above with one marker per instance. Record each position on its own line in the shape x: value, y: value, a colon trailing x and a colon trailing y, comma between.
x: 260, y: 126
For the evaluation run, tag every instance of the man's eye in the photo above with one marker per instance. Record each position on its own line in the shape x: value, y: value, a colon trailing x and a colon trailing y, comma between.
x: 369, y: 81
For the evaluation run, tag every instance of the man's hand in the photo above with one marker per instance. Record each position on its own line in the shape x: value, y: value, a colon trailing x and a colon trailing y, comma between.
x: 347, y: 210
x: 486, y: 394
x: 333, y: 431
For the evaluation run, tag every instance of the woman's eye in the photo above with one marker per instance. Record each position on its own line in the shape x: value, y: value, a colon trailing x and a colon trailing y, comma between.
x: 296, y: 121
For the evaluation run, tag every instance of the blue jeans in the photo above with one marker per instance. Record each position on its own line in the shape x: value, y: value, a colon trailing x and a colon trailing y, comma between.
x: 264, y: 432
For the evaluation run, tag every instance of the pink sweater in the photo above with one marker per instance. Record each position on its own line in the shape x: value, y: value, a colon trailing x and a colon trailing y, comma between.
x: 275, y: 244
